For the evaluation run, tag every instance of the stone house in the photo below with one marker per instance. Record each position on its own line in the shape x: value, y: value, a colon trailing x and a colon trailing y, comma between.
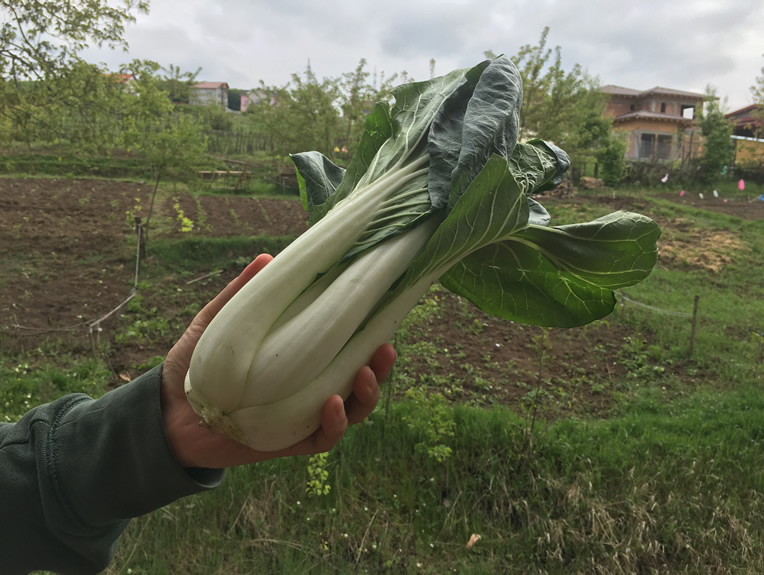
x: 209, y: 93
x: 660, y: 122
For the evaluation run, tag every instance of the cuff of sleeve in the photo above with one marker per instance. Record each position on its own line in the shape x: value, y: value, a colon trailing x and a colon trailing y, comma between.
x: 113, y: 460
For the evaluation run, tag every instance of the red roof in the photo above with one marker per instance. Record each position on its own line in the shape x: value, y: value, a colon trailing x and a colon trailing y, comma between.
x: 744, y: 112
x: 657, y: 90
x: 121, y: 78
x: 210, y: 85
x: 644, y: 115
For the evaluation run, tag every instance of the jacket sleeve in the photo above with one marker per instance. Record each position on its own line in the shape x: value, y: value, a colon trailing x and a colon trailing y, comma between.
x: 73, y: 472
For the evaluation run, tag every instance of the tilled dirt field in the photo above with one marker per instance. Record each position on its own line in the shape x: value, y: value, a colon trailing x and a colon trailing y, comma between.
x: 65, y: 264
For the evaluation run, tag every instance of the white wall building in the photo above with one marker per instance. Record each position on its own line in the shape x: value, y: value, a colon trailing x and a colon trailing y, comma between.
x: 206, y: 93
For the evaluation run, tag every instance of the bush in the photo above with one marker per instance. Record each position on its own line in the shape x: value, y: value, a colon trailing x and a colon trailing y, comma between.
x: 611, y: 160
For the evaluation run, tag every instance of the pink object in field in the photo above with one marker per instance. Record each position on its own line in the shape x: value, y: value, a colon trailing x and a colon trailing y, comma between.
x: 741, y: 185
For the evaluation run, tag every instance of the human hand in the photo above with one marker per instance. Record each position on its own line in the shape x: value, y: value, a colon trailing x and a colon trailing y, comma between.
x: 197, y: 446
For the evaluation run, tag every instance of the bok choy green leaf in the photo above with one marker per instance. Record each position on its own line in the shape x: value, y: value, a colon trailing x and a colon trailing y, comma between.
x: 438, y: 190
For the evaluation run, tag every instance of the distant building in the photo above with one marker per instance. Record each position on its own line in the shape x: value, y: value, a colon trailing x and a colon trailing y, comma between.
x: 748, y: 133
x: 256, y: 97
x: 660, y: 122
x: 127, y: 80
x: 749, y: 121
x: 209, y: 93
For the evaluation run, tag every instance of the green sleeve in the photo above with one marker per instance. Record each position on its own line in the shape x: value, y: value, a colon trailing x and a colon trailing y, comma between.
x: 73, y: 472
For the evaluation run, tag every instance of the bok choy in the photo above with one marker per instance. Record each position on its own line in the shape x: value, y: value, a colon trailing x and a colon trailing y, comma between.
x: 439, y: 190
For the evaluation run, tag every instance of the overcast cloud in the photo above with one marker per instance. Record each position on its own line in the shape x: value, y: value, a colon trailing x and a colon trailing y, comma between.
x: 684, y: 44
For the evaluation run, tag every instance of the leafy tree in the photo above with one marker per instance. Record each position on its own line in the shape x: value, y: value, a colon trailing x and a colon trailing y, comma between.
x: 170, y: 142
x: 303, y: 115
x: 82, y: 107
x: 178, y: 84
x: 234, y: 99
x: 563, y: 106
x: 39, y: 44
x: 718, y: 146
x: 172, y: 146
x: 357, y: 98
x: 555, y: 102
x: 757, y: 92
x: 320, y: 115
x: 610, y: 156
x: 88, y: 108
x: 313, y: 113
x: 532, y: 61
x: 40, y: 38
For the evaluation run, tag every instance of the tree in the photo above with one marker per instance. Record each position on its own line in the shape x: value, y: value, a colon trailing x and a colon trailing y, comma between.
x: 358, y: 101
x: 173, y: 145
x: 563, y: 106
x: 757, y: 92
x: 303, y: 115
x: 178, y: 84
x: 40, y: 38
x: 610, y: 156
x: 555, y: 101
x: 234, y: 99
x: 40, y: 42
x: 718, y: 146
x: 358, y: 97
x: 85, y: 108
x: 531, y: 61
x: 308, y: 114
x: 169, y: 141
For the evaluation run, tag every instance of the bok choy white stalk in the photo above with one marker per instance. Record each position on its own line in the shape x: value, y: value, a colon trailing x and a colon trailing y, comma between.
x: 439, y: 190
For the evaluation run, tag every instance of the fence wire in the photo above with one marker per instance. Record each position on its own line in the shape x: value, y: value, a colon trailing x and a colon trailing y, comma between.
x: 653, y: 308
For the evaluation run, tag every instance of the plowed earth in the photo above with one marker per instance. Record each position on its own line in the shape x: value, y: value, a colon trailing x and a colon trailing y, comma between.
x: 66, y: 262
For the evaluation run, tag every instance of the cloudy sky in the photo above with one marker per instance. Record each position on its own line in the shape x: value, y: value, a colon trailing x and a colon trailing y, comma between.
x: 681, y: 44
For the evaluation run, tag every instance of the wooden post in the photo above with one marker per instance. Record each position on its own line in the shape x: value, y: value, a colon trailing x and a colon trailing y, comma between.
x: 139, y: 233
x: 623, y: 309
x: 694, y: 323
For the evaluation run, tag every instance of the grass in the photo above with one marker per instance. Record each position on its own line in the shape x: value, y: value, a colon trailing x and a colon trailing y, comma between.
x: 665, y: 488
x: 192, y: 254
x: 669, y: 483
x: 731, y: 301
x: 43, y: 375
x: 42, y: 164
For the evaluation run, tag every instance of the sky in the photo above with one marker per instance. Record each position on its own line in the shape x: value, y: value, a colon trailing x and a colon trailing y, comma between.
x: 680, y: 44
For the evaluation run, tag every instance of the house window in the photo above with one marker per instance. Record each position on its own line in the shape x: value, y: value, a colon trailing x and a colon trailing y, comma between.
x: 646, y: 145
x: 652, y: 146
x: 664, y: 148
x: 663, y: 107
x: 688, y: 112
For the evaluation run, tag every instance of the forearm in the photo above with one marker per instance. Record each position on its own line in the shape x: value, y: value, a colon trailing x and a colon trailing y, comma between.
x: 73, y: 472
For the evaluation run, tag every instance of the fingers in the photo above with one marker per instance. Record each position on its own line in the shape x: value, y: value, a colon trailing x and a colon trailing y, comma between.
x: 366, y: 387
x: 382, y: 362
x: 365, y: 396
x: 334, y: 423
x: 336, y: 416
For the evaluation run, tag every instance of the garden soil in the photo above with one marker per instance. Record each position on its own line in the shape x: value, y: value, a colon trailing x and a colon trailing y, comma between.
x: 66, y: 265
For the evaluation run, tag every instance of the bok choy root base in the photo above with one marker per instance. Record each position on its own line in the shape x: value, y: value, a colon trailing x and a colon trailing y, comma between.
x: 439, y: 190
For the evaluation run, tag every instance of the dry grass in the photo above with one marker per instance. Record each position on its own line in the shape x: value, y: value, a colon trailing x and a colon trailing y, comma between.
x: 684, y: 245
